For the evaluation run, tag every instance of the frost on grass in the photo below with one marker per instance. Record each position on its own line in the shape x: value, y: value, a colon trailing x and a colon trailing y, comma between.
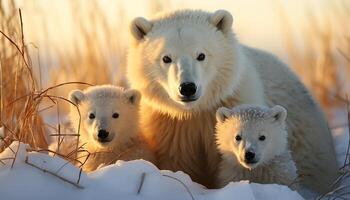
x: 40, y: 176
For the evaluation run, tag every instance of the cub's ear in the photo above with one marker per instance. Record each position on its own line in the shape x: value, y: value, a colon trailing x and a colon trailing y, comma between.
x: 76, y: 96
x: 222, y: 114
x: 222, y: 20
x: 140, y: 27
x: 279, y: 114
x: 133, y: 96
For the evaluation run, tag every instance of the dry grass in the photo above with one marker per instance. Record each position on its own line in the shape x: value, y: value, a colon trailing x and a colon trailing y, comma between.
x: 341, y: 186
x: 22, y: 99
x: 323, y: 63
x: 319, y: 55
x: 324, y: 66
x: 19, y: 106
x: 316, y: 54
x: 98, y: 54
x: 99, y: 49
x: 22, y: 96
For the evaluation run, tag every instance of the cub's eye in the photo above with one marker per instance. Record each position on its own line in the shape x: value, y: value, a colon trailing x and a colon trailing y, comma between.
x: 167, y: 59
x: 201, y: 57
x: 262, y: 138
x: 238, y: 138
x: 92, y: 116
x: 115, y: 115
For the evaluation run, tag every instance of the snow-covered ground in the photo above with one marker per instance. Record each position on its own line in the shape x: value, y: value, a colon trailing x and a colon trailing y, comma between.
x: 119, y: 181
x: 38, y: 176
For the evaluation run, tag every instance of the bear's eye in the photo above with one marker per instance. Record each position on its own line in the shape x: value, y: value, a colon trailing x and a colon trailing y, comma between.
x: 238, y: 138
x: 262, y: 138
x: 167, y: 59
x: 92, y: 116
x: 115, y: 115
x: 201, y: 57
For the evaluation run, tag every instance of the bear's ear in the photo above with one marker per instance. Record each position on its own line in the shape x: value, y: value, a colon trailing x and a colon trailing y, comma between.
x: 278, y: 113
x: 133, y: 96
x: 222, y: 20
x: 140, y: 27
x: 76, y: 96
x: 222, y: 114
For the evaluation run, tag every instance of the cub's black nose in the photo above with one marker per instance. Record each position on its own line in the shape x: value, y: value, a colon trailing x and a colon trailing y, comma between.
x: 102, y: 134
x: 249, y: 156
x: 188, y: 89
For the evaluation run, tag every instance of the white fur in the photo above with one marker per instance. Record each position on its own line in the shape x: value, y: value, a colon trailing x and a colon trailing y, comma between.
x: 125, y: 142
x: 232, y: 74
x: 183, y: 45
x: 274, y: 163
x: 103, y: 101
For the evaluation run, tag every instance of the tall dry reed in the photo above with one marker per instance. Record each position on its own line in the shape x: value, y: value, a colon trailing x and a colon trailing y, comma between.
x: 319, y: 51
x: 19, y: 114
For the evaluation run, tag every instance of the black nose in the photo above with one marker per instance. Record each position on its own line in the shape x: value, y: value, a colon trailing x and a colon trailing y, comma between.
x: 249, y: 156
x: 187, y: 89
x: 102, y: 134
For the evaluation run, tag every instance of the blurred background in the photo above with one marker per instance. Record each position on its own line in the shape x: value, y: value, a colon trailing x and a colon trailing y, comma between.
x: 87, y: 41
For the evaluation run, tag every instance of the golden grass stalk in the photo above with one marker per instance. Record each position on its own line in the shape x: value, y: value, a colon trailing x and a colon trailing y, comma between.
x: 21, y: 98
x: 340, y: 189
x: 19, y: 114
x: 316, y: 56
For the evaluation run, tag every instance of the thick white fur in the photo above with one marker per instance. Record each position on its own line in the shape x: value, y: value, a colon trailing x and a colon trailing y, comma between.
x: 205, y: 74
x: 182, y: 134
x: 127, y: 142
x: 274, y: 161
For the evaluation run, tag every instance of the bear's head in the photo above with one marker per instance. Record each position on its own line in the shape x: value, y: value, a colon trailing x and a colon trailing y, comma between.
x: 108, y: 115
x: 252, y: 135
x: 184, y: 61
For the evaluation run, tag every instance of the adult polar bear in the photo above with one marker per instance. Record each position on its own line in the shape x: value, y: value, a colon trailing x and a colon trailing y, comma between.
x: 187, y: 64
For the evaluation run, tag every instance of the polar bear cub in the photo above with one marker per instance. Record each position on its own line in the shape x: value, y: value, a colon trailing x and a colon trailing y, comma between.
x: 253, y: 144
x: 109, y: 125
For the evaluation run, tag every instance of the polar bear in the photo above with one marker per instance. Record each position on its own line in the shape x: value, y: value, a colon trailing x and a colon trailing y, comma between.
x: 187, y: 64
x: 108, y: 118
x: 253, y: 141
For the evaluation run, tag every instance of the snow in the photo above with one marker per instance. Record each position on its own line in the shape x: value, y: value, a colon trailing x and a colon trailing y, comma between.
x: 119, y: 181
x: 123, y: 179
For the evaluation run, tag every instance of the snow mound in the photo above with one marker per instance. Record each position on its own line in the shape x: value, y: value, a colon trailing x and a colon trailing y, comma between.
x: 40, y: 176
